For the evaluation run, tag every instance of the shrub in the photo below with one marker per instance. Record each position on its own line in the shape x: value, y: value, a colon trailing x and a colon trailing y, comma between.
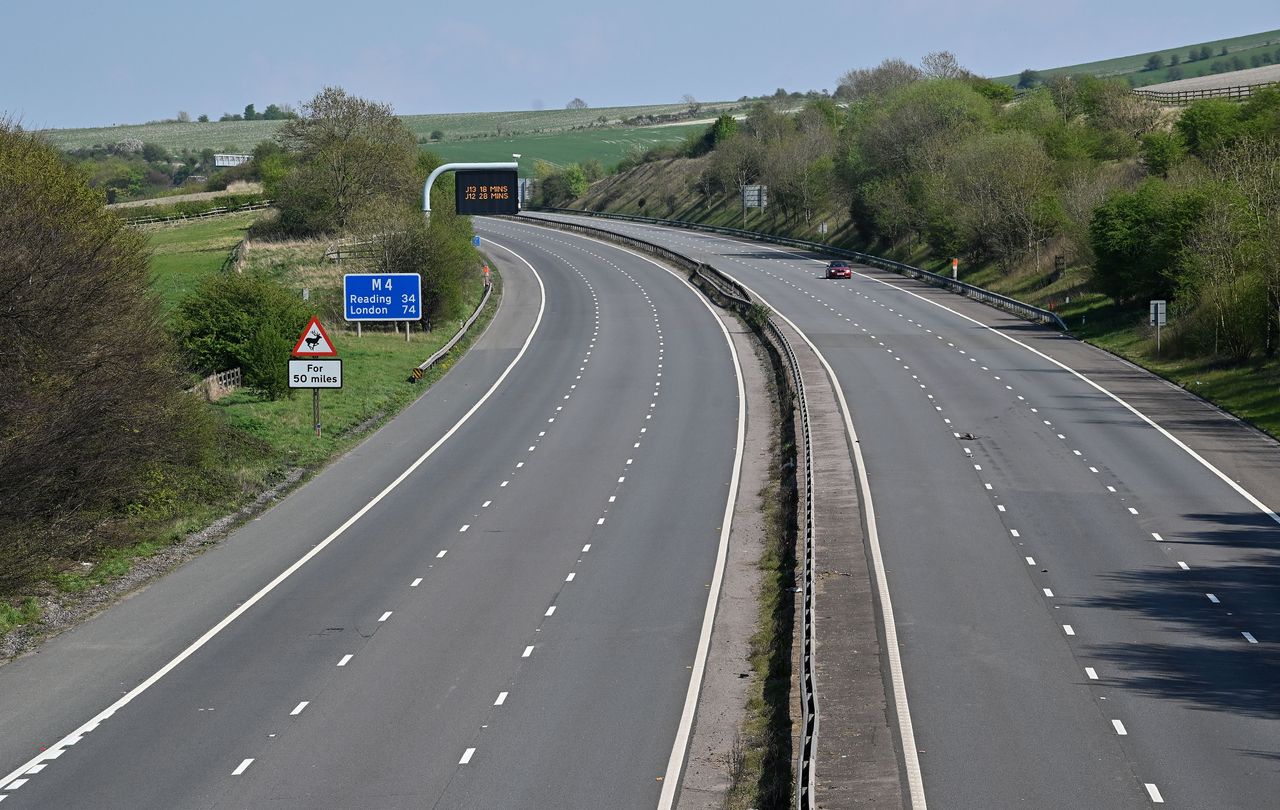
x: 239, y: 319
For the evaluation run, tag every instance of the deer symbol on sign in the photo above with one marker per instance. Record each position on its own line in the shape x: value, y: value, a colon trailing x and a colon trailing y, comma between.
x: 313, y: 340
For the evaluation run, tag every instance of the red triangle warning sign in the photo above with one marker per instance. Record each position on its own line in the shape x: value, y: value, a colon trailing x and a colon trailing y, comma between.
x: 314, y: 342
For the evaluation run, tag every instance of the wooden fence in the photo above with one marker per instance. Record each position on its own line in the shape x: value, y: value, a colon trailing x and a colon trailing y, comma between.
x: 178, y: 219
x: 216, y: 386
x: 1238, y: 93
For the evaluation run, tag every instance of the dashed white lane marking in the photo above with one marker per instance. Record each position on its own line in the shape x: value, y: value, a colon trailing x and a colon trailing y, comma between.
x: 416, y: 582
x: 1212, y: 598
x: 570, y: 577
x: 385, y: 616
x: 1154, y: 793
x: 465, y: 526
x: 502, y: 698
x: 17, y: 783
x: 1031, y: 560
x: 504, y: 483
x: 528, y: 651
x: 1068, y: 629
x: 1157, y: 537
x: 586, y: 548
x: 1091, y: 673
x: 600, y: 522
x: 466, y: 756
x: 245, y: 606
x: 1249, y: 638
x: 1048, y: 592
x: 441, y: 553
x: 37, y: 768
x: 1119, y: 727
x: 242, y: 767
x: 298, y: 709
x: 1133, y: 511
x: 1110, y: 488
x: 346, y: 658
x: 1014, y: 532
x: 1093, y: 469
x: 485, y: 505
x: 1183, y: 566
x: 550, y: 610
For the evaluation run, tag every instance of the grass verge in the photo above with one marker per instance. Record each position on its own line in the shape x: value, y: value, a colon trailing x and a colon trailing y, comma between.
x: 760, y: 767
x: 184, y: 254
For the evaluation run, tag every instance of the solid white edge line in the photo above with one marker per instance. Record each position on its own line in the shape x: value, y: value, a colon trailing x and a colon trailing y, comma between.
x: 288, y: 572
x: 675, y: 763
x: 906, y: 731
x: 1226, y: 479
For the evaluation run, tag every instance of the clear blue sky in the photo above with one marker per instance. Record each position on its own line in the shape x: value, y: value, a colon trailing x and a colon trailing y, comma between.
x: 81, y: 63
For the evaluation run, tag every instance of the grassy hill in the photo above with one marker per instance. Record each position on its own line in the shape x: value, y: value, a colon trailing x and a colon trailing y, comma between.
x: 236, y: 136
x: 1246, y: 47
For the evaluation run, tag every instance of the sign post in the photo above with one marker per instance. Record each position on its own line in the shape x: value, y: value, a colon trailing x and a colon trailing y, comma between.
x: 315, y: 374
x: 955, y: 269
x: 501, y: 188
x: 1157, y: 319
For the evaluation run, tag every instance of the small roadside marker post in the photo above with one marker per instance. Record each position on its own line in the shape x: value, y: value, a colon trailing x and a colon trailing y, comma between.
x: 955, y: 269
x: 1157, y: 319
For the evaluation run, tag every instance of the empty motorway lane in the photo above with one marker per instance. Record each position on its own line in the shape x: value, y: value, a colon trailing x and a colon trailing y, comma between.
x: 1086, y: 605
x: 495, y: 601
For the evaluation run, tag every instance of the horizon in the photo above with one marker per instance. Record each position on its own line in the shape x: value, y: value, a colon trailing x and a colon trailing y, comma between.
x: 536, y: 59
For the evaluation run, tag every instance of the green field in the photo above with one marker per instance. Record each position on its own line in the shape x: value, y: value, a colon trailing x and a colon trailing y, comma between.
x: 605, y: 145
x: 184, y: 254
x: 239, y: 136
x: 1125, y: 66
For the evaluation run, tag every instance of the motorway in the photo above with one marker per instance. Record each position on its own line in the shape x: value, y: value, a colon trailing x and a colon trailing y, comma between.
x: 497, y: 600
x: 1087, y: 611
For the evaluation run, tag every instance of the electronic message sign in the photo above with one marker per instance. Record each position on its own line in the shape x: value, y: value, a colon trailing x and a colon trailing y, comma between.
x: 487, y: 192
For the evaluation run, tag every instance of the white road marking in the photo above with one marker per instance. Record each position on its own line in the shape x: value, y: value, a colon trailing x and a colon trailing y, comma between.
x: 1110, y: 488
x: 1212, y: 598
x: 550, y: 610
x: 1068, y: 629
x: 385, y: 616
x: 485, y: 505
x: 1183, y: 566
x: 1093, y: 469
x: 1048, y: 592
x: 570, y: 577
x: 416, y: 582
x: 1133, y: 511
x: 298, y: 709
x: 17, y: 783
x: 1249, y: 638
x: 502, y: 698
x: 1091, y: 673
x: 466, y: 756
x: 586, y: 548
x: 204, y: 639
x: 504, y: 483
x: 1031, y: 560
x: 528, y: 651
x: 37, y: 768
x: 465, y: 526
x: 345, y: 659
x: 520, y: 464
x: 988, y: 486
x: 600, y: 522
x: 1154, y: 793
x: 1077, y: 452
x: 1157, y: 537
x: 1014, y: 532
x: 1000, y: 507
x: 1119, y: 727
x: 242, y: 767
x: 442, y: 552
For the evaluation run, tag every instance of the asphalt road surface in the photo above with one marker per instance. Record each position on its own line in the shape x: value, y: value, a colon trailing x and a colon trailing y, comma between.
x: 495, y: 601
x: 1088, y: 614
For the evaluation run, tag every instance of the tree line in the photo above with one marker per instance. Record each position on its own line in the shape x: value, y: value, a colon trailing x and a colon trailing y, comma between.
x: 100, y: 445
x: 932, y: 160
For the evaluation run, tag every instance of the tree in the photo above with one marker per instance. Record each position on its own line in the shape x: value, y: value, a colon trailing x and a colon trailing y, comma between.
x: 1154, y: 62
x: 1137, y: 237
x: 1173, y: 74
x: 889, y: 75
x: 81, y: 428
x: 942, y: 65
x: 1209, y: 125
x: 184, y: 117
x: 1161, y: 151
x: 249, y: 113
x: 692, y: 105
x: 576, y: 104
x: 204, y: 119
x: 348, y: 151
x: 1205, y: 52
x: 1028, y: 79
x: 437, y: 134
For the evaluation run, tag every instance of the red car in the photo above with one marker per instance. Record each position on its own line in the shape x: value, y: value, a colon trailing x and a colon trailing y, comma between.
x: 839, y: 269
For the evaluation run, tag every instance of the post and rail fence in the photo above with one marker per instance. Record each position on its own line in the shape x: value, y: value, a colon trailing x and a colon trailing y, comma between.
x: 1236, y: 93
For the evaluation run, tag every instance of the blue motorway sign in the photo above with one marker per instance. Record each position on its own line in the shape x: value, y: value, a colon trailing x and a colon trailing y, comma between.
x: 475, y: 241
x: 382, y: 297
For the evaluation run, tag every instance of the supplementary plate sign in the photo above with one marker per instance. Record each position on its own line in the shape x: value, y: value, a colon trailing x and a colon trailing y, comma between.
x: 314, y: 342
x: 382, y: 297
x: 315, y: 373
